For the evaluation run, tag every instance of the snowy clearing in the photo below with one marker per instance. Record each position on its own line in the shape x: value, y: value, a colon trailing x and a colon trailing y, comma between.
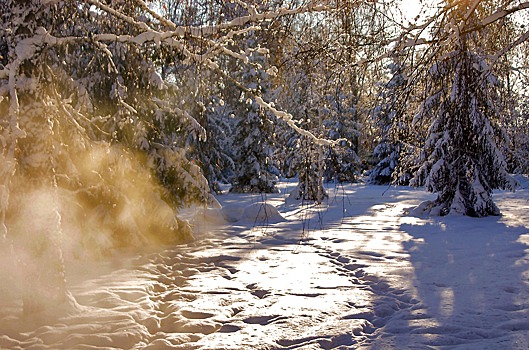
x: 353, y: 273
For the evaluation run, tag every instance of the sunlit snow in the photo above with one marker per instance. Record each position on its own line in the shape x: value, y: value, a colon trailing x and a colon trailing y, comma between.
x: 356, y: 272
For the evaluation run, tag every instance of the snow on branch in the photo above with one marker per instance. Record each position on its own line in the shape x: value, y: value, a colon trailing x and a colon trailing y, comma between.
x: 254, y: 16
x: 416, y: 30
x: 200, y: 31
x: 27, y: 48
x: 115, y: 13
x: 175, y: 37
x: 288, y: 118
x: 503, y: 13
x: 164, y: 21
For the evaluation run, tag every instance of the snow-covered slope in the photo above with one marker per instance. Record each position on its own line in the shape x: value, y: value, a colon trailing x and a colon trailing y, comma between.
x: 353, y: 273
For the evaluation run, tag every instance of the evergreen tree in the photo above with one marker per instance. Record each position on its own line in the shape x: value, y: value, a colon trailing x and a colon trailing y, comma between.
x: 255, y: 169
x: 388, y: 119
x: 462, y: 158
x: 310, y: 172
x: 303, y: 157
x: 214, y: 152
x: 72, y: 92
x: 340, y: 124
x: 303, y: 79
x: 29, y: 147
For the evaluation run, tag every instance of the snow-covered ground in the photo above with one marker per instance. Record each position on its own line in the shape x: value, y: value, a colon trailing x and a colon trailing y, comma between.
x: 355, y: 272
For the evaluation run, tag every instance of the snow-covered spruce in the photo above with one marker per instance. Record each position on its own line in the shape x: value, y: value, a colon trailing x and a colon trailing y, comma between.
x: 255, y: 169
x: 462, y: 159
x: 388, y: 117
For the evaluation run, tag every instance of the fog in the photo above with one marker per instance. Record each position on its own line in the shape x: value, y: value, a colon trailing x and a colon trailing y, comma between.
x: 96, y: 200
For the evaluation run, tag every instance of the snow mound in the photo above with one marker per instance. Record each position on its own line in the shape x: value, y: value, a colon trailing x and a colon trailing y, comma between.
x: 294, y: 196
x: 425, y: 208
x: 262, y: 212
x: 232, y: 213
x: 256, y: 212
x: 522, y: 181
x: 209, y: 216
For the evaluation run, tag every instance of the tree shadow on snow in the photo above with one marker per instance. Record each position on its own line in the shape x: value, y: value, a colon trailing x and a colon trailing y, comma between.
x: 471, y: 281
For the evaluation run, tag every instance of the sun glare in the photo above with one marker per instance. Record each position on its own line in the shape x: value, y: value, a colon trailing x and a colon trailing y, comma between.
x: 411, y: 9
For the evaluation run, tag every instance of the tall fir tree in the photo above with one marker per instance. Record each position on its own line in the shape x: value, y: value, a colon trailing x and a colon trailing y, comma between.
x: 310, y: 172
x: 462, y: 159
x: 388, y: 118
x: 340, y: 124
x: 83, y: 119
x: 255, y: 169
x: 28, y: 129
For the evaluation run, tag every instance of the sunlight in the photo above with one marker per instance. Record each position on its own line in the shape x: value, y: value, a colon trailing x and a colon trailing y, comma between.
x: 414, y: 221
x: 513, y: 215
x: 446, y: 302
x: 303, y: 272
x: 388, y: 218
x: 146, y: 113
x: 411, y: 8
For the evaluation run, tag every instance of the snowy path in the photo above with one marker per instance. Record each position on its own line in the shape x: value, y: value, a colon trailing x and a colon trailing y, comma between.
x: 370, y: 279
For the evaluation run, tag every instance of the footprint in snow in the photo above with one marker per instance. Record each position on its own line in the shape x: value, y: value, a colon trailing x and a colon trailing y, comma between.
x: 229, y: 328
x: 510, y: 289
x: 196, y: 315
x: 264, y: 320
x: 261, y: 294
x: 370, y: 253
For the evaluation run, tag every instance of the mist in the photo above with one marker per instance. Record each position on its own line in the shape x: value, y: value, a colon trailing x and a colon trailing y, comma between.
x: 100, y: 199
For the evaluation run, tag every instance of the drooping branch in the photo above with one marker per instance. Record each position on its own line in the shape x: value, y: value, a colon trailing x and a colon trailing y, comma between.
x: 412, y: 35
x: 289, y: 119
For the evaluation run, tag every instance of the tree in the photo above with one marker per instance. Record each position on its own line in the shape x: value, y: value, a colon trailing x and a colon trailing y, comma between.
x: 214, y: 153
x: 323, y: 84
x: 255, y: 169
x: 87, y: 118
x: 28, y: 130
x: 388, y: 117
x: 310, y: 172
x: 340, y: 123
x: 515, y: 98
x: 462, y: 158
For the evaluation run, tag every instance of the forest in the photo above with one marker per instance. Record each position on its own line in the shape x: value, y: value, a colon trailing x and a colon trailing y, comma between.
x: 117, y: 114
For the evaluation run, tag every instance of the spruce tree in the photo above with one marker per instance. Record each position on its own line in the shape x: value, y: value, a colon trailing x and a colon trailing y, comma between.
x: 340, y: 124
x: 214, y: 153
x: 310, y: 172
x: 387, y: 116
x: 462, y: 159
x: 255, y: 169
x: 83, y: 119
x: 29, y: 143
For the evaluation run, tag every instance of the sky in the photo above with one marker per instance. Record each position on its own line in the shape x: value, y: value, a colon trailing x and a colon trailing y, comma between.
x: 411, y: 8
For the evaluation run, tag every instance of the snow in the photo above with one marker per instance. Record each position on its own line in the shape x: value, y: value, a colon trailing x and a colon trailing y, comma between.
x: 356, y: 272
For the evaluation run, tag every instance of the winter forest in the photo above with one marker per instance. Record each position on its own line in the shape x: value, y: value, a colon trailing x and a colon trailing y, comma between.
x: 145, y: 131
